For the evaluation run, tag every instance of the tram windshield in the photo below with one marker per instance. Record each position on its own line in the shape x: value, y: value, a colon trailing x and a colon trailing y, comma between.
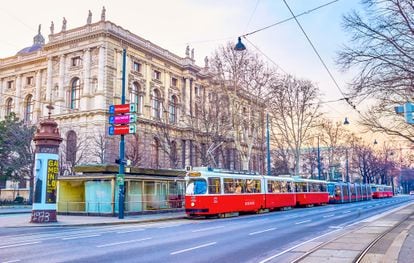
x: 196, y: 187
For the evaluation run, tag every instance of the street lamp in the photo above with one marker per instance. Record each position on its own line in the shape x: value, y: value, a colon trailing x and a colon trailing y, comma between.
x: 346, y: 122
x: 239, y: 46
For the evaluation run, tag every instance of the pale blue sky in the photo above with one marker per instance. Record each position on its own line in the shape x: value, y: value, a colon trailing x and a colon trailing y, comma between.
x: 203, y: 25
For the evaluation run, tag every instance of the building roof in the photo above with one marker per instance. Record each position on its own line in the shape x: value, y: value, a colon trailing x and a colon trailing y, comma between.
x: 38, y: 43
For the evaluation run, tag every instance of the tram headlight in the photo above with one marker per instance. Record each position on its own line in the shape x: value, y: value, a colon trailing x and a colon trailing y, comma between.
x: 192, y: 204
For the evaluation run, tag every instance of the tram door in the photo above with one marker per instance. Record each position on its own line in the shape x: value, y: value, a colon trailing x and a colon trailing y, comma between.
x: 161, y: 194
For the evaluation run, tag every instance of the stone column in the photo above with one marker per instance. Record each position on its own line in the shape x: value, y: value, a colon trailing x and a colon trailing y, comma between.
x: 167, y: 84
x: 61, y: 91
x: 38, y: 88
x: 2, y: 98
x: 187, y: 96
x: 18, y: 94
x: 100, y: 92
x: 84, y: 103
x: 148, y: 91
x: 49, y: 83
x: 47, y: 140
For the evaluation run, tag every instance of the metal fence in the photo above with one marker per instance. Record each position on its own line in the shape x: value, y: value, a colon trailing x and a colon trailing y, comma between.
x: 148, y: 203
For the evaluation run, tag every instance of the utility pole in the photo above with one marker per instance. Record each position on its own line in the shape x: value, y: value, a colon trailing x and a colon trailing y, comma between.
x: 319, y: 161
x: 268, y: 144
x: 122, y: 144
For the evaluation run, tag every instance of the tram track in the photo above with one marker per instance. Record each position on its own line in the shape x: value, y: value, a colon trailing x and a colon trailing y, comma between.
x: 367, y: 248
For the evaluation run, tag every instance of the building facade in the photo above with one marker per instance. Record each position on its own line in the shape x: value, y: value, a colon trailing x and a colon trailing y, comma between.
x: 79, y: 72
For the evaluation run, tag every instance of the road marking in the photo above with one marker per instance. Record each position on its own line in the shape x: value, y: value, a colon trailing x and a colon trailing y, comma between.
x: 206, y: 229
x: 12, y: 261
x: 298, y: 245
x: 259, y: 232
x: 21, y: 244
x: 258, y: 220
x: 129, y: 231
x: 76, y: 237
x: 329, y: 215
x: 124, y: 242
x: 192, y: 248
x: 301, y: 222
x: 161, y: 227
x: 335, y: 227
x: 346, y: 212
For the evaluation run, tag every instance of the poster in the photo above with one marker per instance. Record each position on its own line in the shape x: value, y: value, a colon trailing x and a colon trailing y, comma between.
x: 51, y: 181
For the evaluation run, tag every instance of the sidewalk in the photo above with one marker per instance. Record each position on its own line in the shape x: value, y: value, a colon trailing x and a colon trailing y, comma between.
x: 21, y: 218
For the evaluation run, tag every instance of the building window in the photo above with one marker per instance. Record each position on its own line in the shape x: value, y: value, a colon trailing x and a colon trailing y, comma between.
x: 76, y: 61
x: 135, y: 96
x: 28, y: 108
x: 156, y: 75
x: 155, y: 153
x: 173, y: 109
x: 136, y: 67
x: 197, y: 90
x: 174, y: 82
x: 156, y: 105
x: 29, y: 80
x: 10, y: 84
x: 74, y: 96
x: 9, y: 106
x: 71, y: 142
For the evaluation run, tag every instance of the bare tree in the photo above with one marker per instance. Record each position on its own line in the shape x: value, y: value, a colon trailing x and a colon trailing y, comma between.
x: 294, y: 109
x: 245, y: 79
x: 73, y: 153
x: 381, y: 51
x: 100, y: 144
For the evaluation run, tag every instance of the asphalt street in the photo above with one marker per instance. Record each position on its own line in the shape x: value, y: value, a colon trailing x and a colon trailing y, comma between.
x: 248, y: 238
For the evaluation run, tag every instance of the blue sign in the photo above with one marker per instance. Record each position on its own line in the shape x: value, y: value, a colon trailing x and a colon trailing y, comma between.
x: 111, y: 130
x: 111, y: 109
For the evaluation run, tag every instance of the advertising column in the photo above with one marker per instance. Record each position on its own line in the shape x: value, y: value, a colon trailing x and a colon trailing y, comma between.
x: 47, y: 140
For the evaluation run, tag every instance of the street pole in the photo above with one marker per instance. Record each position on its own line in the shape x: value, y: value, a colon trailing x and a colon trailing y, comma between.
x: 122, y: 144
x: 268, y: 144
x: 347, y: 165
x: 319, y: 161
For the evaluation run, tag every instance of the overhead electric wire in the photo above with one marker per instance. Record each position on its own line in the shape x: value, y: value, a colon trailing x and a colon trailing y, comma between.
x: 321, y: 60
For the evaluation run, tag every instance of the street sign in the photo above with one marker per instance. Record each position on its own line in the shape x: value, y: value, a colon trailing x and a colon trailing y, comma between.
x: 120, y: 179
x: 122, y: 119
x: 122, y: 129
x: 122, y: 108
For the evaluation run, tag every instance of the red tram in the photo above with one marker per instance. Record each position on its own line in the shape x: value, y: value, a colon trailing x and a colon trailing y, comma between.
x: 381, y: 191
x: 224, y: 193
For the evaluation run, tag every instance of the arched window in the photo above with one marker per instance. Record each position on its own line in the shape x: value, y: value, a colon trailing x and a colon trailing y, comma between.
x: 74, y: 96
x: 9, y: 106
x: 173, y: 109
x: 28, y: 108
x: 136, y: 96
x: 155, y: 153
x: 156, y: 104
x: 71, y: 142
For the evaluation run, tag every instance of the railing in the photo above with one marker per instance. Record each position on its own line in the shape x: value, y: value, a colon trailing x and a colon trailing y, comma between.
x: 149, y: 203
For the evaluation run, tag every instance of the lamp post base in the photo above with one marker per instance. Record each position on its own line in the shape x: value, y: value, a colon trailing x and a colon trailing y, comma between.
x: 43, y: 216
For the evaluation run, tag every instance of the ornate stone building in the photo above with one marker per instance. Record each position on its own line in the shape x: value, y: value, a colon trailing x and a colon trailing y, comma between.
x: 79, y: 71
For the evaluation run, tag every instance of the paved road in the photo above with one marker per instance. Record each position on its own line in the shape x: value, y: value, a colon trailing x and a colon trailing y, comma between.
x: 250, y: 238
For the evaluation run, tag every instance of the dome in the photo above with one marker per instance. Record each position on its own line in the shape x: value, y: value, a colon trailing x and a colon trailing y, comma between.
x: 38, y: 42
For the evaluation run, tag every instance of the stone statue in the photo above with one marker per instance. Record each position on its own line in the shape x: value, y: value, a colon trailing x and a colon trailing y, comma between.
x: 192, y: 53
x: 103, y: 13
x: 52, y: 28
x: 206, y: 62
x: 64, y: 24
x: 38, y: 30
x: 187, y: 51
x: 89, y: 21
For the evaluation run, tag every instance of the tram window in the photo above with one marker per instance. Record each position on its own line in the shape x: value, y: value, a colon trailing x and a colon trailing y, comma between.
x: 258, y: 187
x: 240, y: 186
x: 338, y: 190
x: 197, y: 187
x: 253, y: 186
x: 331, y: 189
x: 290, y: 186
x: 323, y: 187
x: 214, y: 186
x: 276, y: 187
x: 283, y: 187
x: 270, y: 186
x: 229, y: 186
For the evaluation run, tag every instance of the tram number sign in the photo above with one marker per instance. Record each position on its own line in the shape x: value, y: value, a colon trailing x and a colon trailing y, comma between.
x: 122, y: 108
x: 122, y: 129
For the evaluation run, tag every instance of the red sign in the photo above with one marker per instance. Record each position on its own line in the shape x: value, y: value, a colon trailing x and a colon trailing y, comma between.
x: 119, y: 130
x: 120, y: 108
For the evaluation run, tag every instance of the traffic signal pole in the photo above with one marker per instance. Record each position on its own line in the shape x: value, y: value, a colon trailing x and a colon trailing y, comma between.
x: 121, y: 187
